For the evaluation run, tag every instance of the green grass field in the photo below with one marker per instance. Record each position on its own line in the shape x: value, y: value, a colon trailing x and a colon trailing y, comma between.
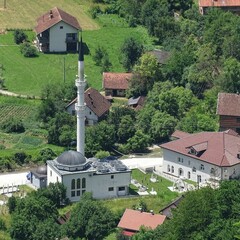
x: 28, y: 75
x: 23, y: 13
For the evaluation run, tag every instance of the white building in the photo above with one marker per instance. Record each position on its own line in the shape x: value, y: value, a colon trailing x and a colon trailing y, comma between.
x: 78, y: 174
x: 97, y: 106
x: 57, y: 31
x: 201, y: 156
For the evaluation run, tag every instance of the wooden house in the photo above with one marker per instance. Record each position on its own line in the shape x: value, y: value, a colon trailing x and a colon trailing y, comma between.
x: 228, y: 109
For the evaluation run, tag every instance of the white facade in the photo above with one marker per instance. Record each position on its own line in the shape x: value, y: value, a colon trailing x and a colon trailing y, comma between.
x: 91, y: 117
x: 179, y: 165
x: 58, y: 35
x: 102, y: 186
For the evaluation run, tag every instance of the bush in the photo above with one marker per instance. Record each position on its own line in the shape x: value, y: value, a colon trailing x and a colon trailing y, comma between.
x: 21, y: 158
x: 13, y: 125
x: 19, y: 36
x: 2, y: 225
x: 2, y: 147
x: 28, y: 50
x: 102, y: 154
x: 94, y: 11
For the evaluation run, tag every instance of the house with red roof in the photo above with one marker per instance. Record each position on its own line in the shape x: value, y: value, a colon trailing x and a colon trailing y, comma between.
x: 227, y: 5
x: 116, y: 84
x: 57, y: 31
x: 133, y: 220
x: 97, y: 106
x: 228, y: 109
x: 203, y: 156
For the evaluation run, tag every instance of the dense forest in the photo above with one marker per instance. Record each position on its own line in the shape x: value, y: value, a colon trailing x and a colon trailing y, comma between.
x: 181, y: 94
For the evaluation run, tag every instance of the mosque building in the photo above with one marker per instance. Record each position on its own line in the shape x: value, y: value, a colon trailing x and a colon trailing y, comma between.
x: 104, y: 179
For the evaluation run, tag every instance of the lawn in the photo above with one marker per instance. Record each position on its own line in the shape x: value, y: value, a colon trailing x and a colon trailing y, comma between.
x: 23, y: 13
x: 164, y: 195
x: 28, y: 75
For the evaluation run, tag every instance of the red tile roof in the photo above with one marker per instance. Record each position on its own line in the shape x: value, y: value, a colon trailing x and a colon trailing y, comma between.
x: 54, y: 16
x: 116, y: 80
x: 221, y: 147
x: 219, y: 3
x: 180, y: 134
x: 133, y: 220
x: 95, y: 101
x: 228, y: 104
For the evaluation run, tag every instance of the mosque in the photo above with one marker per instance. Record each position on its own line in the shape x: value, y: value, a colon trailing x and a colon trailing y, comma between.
x: 104, y: 179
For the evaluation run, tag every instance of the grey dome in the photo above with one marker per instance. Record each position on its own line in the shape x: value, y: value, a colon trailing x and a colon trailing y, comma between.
x: 42, y: 170
x: 71, y: 158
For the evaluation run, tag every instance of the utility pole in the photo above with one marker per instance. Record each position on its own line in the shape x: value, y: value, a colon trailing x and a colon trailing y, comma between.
x: 64, y: 72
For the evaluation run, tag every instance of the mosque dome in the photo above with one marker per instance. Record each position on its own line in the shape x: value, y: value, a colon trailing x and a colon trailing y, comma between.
x: 42, y: 170
x: 71, y: 158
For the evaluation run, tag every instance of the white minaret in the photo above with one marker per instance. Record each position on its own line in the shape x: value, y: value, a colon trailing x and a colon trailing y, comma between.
x: 80, y: 105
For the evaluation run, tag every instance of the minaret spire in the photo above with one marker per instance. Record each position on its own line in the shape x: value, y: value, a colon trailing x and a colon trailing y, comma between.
x: 80, y: 105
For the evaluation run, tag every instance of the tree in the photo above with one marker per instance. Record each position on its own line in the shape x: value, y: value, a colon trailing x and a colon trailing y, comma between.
x: 146, y: 72
x: 130, y: 52
x: 126, y: 129
x: 13, y: 125
x: 46, y: 110
x: 19, y: 36
x: 229, y: 79
x: 90, y: 220
x: 162, y: 126
x: 139, y: 142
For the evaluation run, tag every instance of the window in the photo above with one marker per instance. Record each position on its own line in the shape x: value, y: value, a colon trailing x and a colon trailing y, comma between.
x: 112, y: 176
x: 78, y: 192
x: 110, y: 189
x: 78, y: 183
x: 168, y: 168
x: 189, y: 175
x: 194, y: 169
x: 238, y: 119
x: 73, y: 184
x: 121, y: 189
x: 180, y: 159
x: 90, y: 113
x: 84, y: 183
x: 61, y: 27
x: 212, y: 171
x: 201, y: 167
x: 199, y: 178
x: 72, y: 193
x: 172, y: 169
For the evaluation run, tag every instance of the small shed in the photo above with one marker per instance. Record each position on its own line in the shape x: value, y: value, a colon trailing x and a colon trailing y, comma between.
x: 116, y: 84
x: 38, y: 177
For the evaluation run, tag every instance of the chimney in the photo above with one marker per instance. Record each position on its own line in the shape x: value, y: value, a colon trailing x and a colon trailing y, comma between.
x: 50, y: 14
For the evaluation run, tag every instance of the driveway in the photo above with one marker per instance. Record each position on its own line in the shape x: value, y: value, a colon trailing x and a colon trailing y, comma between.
x: 132, y: 163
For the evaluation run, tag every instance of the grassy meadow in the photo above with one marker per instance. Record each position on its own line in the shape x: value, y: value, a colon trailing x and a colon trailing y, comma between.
x: 23, y: 13
x: 28, y: 75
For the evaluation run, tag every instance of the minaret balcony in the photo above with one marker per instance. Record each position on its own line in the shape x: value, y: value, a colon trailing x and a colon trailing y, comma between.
x: 80, y: 108
x: 80, y: 83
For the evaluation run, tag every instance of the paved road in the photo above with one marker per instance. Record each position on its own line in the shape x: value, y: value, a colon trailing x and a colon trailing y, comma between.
x: 13, y: 179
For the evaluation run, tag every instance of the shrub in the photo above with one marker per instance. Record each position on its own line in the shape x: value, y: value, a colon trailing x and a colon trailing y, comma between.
x: 19, y: 36
x: 102, y: 154
x: 13, y: 125
x: 21, y: 158
x: 2, y: 225
x: 28, y: 50
x: 94, y: 11
x: 2, y: 147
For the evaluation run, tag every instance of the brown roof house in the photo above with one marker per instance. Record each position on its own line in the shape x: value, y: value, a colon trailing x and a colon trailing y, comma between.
x: 116, y: 84
x: 228, y: 109
x: 202, y: 157
x: 136, y: 103
x: 57, y: 31
x: 132, y: 220
x: 227, y: 5
x: 97, y: 106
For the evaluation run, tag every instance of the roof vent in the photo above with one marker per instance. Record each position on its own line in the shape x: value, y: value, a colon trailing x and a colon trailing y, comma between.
x: 50, y: 14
